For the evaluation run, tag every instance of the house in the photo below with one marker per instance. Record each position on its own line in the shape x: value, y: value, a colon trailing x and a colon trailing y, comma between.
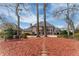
x: 51, y: 30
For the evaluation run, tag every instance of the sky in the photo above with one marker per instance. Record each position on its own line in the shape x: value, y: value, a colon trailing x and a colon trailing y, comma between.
x: 29, y: 17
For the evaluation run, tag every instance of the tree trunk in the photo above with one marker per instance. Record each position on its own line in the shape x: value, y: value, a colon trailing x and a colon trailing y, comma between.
x: 67, y: 15
x: 18, y: 20
x: 45, y: 29
x: 73, y: 28
x: 37, y: 19
x: 31, y: 29
x: 68, y: 31
x: 73, y: 31
x: 70, y: 22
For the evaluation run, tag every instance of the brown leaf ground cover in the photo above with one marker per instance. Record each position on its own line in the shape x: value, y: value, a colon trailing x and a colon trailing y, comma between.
x: 34, y: 47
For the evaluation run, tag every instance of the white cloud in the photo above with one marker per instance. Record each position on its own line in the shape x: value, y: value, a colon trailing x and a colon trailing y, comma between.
x: 31, y: 18
x: 61, y: 26
x: 57, y: 5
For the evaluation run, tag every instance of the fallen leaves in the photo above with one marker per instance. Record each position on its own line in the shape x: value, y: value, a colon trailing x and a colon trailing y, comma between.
x: 33, y: 47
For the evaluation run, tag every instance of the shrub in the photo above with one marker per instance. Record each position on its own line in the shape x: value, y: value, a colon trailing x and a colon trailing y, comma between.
x: 2, y: 34
x: 64, y: 34
x: 77, y: 35
x: 8, y: 33
x: 27, y: 33
x: 24, y: 35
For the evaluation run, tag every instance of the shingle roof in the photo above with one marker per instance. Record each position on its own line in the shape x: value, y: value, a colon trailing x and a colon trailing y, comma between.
x: 42, y: 24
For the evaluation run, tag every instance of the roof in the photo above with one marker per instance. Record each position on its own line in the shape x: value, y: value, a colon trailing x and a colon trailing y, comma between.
x: 42, y: 24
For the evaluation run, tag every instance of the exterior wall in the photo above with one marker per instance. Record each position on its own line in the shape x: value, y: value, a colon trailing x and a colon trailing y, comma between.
x: 34, y: 30
x: 50, y: 30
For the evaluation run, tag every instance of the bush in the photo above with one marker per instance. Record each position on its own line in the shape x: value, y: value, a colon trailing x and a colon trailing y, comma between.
x: 8, y: 33
x: 64, y: 34
x: 24, y: 35
x: 77, y: 35
x: 2, y: 34
x: 27, y: 33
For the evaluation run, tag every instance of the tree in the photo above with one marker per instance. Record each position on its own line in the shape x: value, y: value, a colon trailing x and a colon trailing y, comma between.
x: 18, y: 20
x: 68, y: 14
x: 7, y: 28
x: 45, y: 29
x: 16, y: 8
x: 37, y: 6
x: 5, y: 23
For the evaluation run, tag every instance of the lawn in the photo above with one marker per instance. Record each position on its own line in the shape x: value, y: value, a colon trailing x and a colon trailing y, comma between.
x: 34, y: 47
